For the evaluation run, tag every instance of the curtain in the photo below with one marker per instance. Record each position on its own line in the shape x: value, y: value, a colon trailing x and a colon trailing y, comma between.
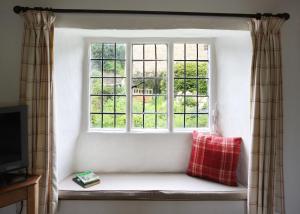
x: 36, y: 91
x: 266, y: 192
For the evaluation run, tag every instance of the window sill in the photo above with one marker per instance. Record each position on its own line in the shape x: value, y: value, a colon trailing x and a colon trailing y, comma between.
x: 154, y: 186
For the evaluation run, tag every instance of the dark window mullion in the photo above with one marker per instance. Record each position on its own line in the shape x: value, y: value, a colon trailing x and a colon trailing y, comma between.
x: 156, y: 88
x: 148, y: 60
x: 115, y: 82
x: 102, y: 85
x: 143, y: 85
x: 190, y: 60
x: 197, y: 89
x: 191, y: 78
x: 184, y: 89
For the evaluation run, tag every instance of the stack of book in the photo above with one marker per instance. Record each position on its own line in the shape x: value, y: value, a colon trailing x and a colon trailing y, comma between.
x: 86, y: 179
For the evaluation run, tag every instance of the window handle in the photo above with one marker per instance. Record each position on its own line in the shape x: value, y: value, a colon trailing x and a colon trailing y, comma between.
x: 135, y: 86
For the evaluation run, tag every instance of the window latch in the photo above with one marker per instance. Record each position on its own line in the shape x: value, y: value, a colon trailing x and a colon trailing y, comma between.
x: 135, y: 86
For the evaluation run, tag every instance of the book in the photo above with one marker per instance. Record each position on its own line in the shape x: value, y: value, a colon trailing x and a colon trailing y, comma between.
x: 87, y: 176
x: 85, y: 185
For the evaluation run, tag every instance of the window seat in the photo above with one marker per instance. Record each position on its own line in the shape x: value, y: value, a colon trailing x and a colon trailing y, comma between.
x: 151, y: 186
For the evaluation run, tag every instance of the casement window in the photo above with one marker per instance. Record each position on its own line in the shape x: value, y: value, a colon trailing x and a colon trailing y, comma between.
x: 149, y: 85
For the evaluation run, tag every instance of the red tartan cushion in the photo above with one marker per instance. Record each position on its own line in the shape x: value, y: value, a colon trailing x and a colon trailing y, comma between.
x: 215, y: 158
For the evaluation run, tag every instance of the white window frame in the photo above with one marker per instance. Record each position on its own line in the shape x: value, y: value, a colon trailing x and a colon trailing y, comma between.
x: 170, y: 79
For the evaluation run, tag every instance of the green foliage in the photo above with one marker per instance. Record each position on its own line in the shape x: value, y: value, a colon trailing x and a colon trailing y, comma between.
x: 191, y: 84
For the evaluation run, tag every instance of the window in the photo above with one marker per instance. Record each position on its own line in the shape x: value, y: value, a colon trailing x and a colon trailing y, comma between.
x: 149, y: 85
x: 108, y: 86
x: 191, y: 80
x: 149, y: 78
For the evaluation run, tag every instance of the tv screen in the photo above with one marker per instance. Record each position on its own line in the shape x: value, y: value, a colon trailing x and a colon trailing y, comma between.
x: 13, y: 138
x: 10, y: 148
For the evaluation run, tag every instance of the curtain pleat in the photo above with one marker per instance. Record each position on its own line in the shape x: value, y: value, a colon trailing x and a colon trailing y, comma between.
x: 36, y: 91
x: 266, y: 190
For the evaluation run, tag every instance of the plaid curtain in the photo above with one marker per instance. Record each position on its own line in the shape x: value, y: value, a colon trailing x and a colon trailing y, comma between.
x: 266, y: 192
x: 36, y: 91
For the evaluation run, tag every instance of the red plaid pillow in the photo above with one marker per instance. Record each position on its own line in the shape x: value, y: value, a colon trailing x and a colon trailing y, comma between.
x: 215, y: 158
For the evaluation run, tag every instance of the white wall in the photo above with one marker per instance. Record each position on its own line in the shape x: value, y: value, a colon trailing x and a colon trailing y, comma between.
x: 233, y: 63
x: 291, y: 101
x: 11, y: 35
x: 68, y: 73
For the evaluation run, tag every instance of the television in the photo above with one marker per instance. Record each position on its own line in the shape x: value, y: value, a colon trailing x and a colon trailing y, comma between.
x: 13, y: 138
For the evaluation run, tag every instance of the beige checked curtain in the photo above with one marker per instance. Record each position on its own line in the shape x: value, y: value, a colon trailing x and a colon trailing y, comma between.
x: 36, y: 91
x: 266, y: 192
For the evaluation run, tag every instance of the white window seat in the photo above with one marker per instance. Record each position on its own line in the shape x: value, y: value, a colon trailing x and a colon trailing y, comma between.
x: 151, y: 186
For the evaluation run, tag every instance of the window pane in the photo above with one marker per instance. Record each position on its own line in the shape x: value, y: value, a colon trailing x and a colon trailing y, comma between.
x: 191, y: 87
x: 150, y: 69
x: 203, y: 69
x: 108, y: 104
x: 108, y: 120
x: 162, y: 86
x: 150, y: 51
x: 162, y: 121
x: 137, y: 69
x: 203, y: 104
x: 202, y: 51
x: 121, y: 121
x: 149, y: 121
x: 120, y: 69
x: 96, y: 120
x: 191, y: 51
x: 191, y: 69
x: 162, y: 68
x: 161, y: 102
x: 178, y: 121
x: 121, y: 51
x: 138, y: 86
x: 137, y: 104
x: 120, y: 104
x: 109, y: 51
x: 108, y: 68
x: 121, y: 86
x: 150, y: 104
x: 137, y: 52
x: 108, y: 85
x: 149, y: 87
x: 203, y: 87
x: 178, y: 69
x: 179, y: 104
x: 137, y: 120
x: 96, y: 51
x: 179, y: 86
x: 96, y: 68
x: 96, y: 103
x: 203, y: 120
x: 178, y: 51
x: 191, y: 104
x: 161, y: 52
x: 191, y: 121
x: 95, y: 86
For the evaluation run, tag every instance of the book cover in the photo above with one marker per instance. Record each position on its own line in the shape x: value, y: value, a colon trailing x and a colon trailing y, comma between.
x: 80, y: 183
x: 87, y: 176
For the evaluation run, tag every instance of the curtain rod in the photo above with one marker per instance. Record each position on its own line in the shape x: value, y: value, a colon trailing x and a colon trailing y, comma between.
x: 19, y: 9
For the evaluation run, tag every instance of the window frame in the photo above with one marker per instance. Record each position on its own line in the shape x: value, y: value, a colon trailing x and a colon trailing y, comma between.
x: 170, y: 82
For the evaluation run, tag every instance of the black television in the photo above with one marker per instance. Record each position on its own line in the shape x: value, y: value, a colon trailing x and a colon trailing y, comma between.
x: 13, y: 138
